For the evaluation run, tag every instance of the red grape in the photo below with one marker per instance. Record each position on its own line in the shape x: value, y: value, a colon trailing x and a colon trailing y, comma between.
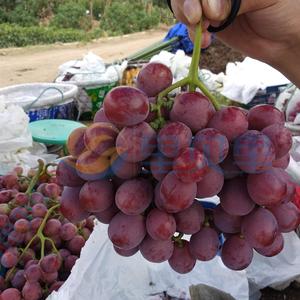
x: 153, y: 78
x: 267, y: 188
x: 193, y: 109
x: 235, y: 199
x: 52, y: 190
x: 39, y: 210
x: 76, y: 244
x: 33, y: 273
x: 15, y: 238
x: 136, y: 143
x: 281, y: 138
x: 127, y: 232
x: 52, y: 227
x: 35, y: 224
x: 91, y: 166
x: 231, y: 121
x: 21, y: 199
x: 100, y: 138
x: 160, y: 165
x: 49, y: 278
x: 32, y: 291
x: 160, y: 225
x: 64, y: 253
x: 213, y: 144
x: 70, y: 207
x: 55, y: 286
x: 5, y: 196
x: 70, y: 262
x: 18, y: 280
x: 134, y: 196
x: 68, y: 231
x: 287, y: 216
x: 225, y: 222
x: 36, y: 198
x: 18, y: 213
x: 182, y: 261
x: 282, y: 162
x: 230, y: 168
x: 190, y: 220
x: 274, y: 249
x: 11, y: 294
x: 126, y: 253
x: 236, y: 253
x: 204, y: 245
x: 173, y: 138
x: 66, y: 173
x: 96, y: 196
x: 253, y: 152
x: 157, y: 198
x: 211, y: 184
x: 3, y: 221
x: 124, y: 169
x: 156, y: 251
x: 9, y: 259
x: 126, y: 106
x: 260, y: 228
x: 107, y: 215
x: 100, y: 116
x: 22, y: 226
x: 75, y: 143
x: 190, y: 166
x: 50, y: 263
x: 27, y: 255
x: 264, y: 115
x: 176, y: 195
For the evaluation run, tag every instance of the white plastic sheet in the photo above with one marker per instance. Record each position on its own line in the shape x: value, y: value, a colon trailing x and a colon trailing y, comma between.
x: 14, y: 130
x: 90, y: 71
x: 279, y: 270
x: 243, y: 79
x: 102, y: 274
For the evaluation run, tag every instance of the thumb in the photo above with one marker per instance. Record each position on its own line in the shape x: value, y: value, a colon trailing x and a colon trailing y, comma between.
x: 216, y: 10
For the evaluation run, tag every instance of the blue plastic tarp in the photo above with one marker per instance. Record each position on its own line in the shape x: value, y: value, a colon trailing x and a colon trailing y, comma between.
x: 184, y: 43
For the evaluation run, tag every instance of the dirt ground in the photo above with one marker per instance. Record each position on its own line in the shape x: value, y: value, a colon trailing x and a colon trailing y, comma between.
x: 40, y: 63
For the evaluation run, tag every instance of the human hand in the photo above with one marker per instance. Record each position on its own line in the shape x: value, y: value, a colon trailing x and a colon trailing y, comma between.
x: 267, y: 30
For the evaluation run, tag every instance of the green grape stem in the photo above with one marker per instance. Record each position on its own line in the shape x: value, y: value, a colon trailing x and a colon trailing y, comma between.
x: 177, y: 239
x: 41, y: 237
x: 192, y: 80
x: 36, y: 177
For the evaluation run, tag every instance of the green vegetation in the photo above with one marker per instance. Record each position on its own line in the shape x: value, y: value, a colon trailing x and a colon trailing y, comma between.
x: 31, y: 22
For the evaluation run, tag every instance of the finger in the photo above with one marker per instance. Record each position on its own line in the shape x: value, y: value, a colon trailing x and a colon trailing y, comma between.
x: 177, y: 7
x: 216, y: 10
x: 206, y: 37
x: 192, y: 11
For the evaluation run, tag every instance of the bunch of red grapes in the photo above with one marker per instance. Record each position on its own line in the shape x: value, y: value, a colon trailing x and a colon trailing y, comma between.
x: 148, y: 184
x: 38, y: 245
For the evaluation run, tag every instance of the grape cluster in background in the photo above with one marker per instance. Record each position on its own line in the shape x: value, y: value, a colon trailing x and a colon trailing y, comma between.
x: 38, y: 245
x: 145, y: 164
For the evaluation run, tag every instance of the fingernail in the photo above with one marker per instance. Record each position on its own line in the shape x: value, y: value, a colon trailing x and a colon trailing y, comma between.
x: 216, y: 6
x: 192, y: 11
